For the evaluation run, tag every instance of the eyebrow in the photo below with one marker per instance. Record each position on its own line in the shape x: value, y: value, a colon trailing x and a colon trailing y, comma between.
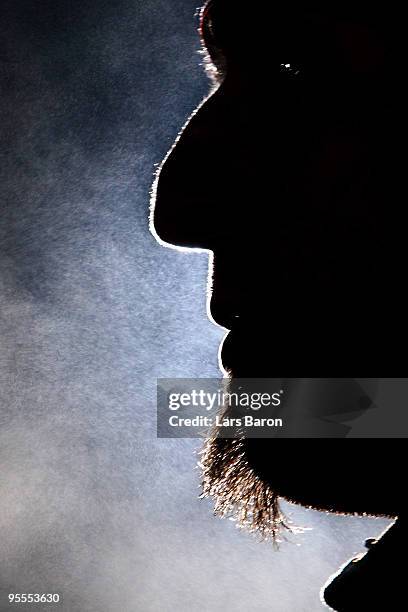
x: 214, y: 57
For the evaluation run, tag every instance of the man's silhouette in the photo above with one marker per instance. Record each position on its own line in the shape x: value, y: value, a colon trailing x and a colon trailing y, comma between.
x: 289, y: 174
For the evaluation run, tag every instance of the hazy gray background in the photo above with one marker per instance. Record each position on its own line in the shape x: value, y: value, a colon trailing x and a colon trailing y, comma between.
x: 93, y: 311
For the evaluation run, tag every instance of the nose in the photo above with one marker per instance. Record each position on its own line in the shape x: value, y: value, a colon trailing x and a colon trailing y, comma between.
x: 190, y: 199
x: 178, y: 207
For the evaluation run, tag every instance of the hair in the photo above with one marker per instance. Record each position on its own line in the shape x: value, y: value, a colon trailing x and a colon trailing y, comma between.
x: 238, y: 492
x: 230, y: 479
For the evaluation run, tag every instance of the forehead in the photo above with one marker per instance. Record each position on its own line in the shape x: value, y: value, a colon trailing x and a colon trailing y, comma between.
x: 226, y: 20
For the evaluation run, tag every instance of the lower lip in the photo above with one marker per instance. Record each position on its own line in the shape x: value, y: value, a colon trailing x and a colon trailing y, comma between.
x: 242, y: 355
x: 225, y: 353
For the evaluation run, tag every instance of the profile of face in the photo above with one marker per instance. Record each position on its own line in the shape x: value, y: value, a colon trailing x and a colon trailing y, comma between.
x: 284, y: 173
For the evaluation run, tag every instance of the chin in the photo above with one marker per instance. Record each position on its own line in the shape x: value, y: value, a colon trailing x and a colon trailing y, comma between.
x: 314, y: 474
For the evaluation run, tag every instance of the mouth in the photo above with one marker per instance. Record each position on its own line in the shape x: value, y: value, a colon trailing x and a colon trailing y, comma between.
x: 229, y: 354
x: 245, y: 353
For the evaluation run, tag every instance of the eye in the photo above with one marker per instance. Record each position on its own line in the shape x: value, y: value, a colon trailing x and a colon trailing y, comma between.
x: 290, y: 69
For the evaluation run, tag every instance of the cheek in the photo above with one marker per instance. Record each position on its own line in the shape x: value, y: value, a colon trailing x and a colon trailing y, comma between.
x: 361, y: 49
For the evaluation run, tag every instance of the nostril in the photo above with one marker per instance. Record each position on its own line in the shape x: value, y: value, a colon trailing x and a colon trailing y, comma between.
x: 169, y: 219
x: 176, y: 227
x: 163, y: 226
x: 180, y: 211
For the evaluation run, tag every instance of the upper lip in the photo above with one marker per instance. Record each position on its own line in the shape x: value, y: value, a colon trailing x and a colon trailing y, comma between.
x: 226, y: 304
x: 226, y: 319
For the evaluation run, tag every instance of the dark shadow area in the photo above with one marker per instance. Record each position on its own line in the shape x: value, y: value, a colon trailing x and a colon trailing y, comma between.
x: 290, y: 173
